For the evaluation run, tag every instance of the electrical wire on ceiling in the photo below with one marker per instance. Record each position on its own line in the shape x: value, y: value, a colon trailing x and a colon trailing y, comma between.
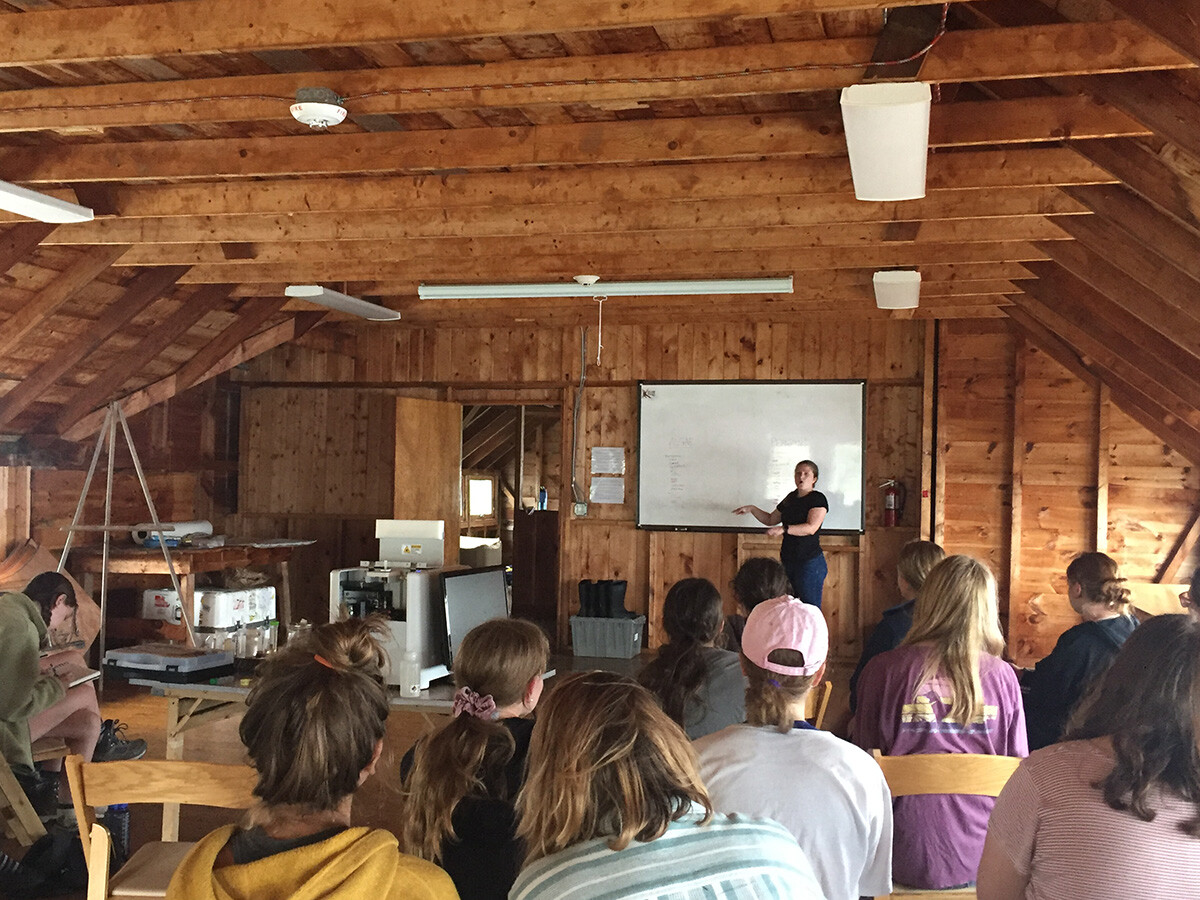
x: 513, y: 85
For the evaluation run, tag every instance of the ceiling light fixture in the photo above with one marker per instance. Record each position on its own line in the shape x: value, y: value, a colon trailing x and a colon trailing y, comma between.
x: 887, y: 137
x: 591, y: 286
x: 43, y: 207
x: 897, y: 288
x: 342, y: 302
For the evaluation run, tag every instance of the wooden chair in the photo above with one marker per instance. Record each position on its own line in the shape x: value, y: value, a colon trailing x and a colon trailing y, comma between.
x: 21, y: 821
x: 817, y: 702
x: 944, y: 773
x: 149, y: 868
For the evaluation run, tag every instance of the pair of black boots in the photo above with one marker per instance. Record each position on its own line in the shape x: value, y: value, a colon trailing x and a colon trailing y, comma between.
x: 603, y: 599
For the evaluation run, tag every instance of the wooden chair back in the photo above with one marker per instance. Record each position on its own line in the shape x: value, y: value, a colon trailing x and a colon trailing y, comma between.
x: 944, y: 773
x: 817, y: 702
x: 150, y: 781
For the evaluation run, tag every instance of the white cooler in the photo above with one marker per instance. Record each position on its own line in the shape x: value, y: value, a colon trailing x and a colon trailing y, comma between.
x: 217, y: 608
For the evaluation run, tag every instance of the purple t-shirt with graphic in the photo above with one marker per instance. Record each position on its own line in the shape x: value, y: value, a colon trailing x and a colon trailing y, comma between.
x: 938, y: 837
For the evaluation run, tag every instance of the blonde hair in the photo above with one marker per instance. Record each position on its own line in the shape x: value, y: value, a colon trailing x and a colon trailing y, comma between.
x: 467, y: 756
x: 917, y: 559
x: 315, y: 714
x: 956, y: 616
x: 605, y: 761
x: 1101, y: 581
x: 771, y: 697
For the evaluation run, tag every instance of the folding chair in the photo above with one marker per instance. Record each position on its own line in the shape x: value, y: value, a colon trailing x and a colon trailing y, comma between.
x: 817, y: 702
x: 944, y: 773
x: 149, y: 869
x: 21, y: 821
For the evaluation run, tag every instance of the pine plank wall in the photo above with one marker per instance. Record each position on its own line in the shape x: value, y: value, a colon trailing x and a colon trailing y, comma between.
x: 1024, y: 464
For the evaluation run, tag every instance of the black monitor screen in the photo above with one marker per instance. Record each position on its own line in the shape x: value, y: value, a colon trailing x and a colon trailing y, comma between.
x: 472, y: 596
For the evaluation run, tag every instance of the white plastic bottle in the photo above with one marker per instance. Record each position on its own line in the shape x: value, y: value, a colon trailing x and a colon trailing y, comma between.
x: 410, y: 675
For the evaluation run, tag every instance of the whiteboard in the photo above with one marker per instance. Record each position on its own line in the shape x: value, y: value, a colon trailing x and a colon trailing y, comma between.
x: 707, y: 447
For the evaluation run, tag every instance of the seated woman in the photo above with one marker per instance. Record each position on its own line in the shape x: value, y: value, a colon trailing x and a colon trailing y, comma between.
x: 1114, y: 812
x: 613, y: 805
x: 917, y: 559
x: 1054, y: 688
x: 759, y: 578
x: 461, y: 781
x: 700, y: 686
x: 313, y: 727
x: 944, y: 690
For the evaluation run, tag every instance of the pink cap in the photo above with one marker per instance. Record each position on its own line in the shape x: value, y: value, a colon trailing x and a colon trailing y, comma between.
x: 786, y: 623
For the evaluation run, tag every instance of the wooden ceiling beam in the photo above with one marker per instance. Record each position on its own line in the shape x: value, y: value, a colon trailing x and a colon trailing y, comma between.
x: 961, y: 170
x: 252, y: 315
x: 142, y: 290
x: 1176, y: 244
x: 729, y: 247
x: 1067, y: 314
x: 1166, y: 177
x: 1154, y: 99
x: 167, y: 30
x: 1168, y: 309
x: 600, y: 218
x: 994, y: 122
x: 959, y: 56
x: 80, y: 273
x: 1146, y: 411
x: 1177, y: 22
x: 1114, y: 244
x: 20, y: 240
x: 1177, y: 363
x: 100, y: 389
x: 166, y: 388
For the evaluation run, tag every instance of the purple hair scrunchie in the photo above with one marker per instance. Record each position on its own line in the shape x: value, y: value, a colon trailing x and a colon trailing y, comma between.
x: 473, y: 704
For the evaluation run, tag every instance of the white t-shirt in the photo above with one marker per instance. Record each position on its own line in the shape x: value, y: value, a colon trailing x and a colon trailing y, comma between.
x: 830, y: 794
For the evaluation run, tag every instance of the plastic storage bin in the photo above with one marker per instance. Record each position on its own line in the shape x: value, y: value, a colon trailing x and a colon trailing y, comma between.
x: 619, y: 638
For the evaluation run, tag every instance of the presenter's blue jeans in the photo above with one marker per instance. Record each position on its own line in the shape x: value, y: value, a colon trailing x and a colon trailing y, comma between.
x: 808, y: 579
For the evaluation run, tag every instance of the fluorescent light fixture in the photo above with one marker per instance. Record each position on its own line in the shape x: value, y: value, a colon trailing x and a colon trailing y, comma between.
x: 897, y: 288
x: 342, y: 302
x: 605, y: 288
x: 43, y: 207
x: 887, y: 136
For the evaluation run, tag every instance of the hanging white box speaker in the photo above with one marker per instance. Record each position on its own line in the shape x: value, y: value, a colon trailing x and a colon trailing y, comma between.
x: 897, y: 288
x: 887, y: 136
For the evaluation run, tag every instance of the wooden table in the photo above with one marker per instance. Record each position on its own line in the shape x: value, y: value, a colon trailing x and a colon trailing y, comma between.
x: 188, y: 562
x: 192, y: 706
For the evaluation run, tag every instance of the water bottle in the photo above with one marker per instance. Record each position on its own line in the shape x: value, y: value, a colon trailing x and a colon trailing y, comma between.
x: 541, y: 501
x: 116, y: 820
x: 410, y: 675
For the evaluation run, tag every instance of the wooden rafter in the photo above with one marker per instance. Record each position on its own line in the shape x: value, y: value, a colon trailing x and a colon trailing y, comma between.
x: 168, y: 387
x: 1175, y: 21
x: 19, y: 241
x: 1165, y: 178
x: 142, y: 290
x: 79, y: 274
x: 1039, y: 51
x: 1033, y: 120
x: 100, y: 389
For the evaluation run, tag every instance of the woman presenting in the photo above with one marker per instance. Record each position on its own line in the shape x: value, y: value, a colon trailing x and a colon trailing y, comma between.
x: 798, y: 517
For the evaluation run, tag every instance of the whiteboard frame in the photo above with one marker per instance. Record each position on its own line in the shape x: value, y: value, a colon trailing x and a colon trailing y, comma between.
x: 756, y: 528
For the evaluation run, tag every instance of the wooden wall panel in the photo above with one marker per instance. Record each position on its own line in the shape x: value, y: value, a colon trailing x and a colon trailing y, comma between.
x: 428, y: 445
x: 15, y: 506
x: 689, y: 554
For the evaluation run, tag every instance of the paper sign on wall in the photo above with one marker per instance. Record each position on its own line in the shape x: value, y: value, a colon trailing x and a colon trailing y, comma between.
x: 606, y: 489
x: 608, y: 460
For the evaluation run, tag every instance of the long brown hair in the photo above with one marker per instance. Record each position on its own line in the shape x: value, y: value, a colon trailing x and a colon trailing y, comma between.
x: 316, y: 713
x: 1148, y: 703
x: 605, y: 761
x: 956, y: 617
x: 692, y: 620
x: 1097, y: 574
x: 467, y: 756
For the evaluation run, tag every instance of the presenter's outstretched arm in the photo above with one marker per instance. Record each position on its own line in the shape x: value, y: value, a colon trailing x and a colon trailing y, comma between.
x: 774, y: 517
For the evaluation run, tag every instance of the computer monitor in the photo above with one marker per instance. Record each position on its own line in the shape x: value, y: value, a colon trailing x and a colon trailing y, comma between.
x: 472, y: 596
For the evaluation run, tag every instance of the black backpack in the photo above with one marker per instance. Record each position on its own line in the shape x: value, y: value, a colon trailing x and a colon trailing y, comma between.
x: 53, y: 866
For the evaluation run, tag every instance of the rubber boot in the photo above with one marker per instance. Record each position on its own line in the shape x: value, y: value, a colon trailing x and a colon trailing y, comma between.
x: 600, y: 598
x: 615, y: 596
x: 586, y: 609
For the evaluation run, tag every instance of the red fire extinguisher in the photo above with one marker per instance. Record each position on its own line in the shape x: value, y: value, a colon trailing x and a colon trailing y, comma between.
x: 894, y: 495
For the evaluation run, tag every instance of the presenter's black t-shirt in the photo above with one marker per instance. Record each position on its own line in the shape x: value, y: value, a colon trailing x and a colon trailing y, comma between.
x: 795, y: 509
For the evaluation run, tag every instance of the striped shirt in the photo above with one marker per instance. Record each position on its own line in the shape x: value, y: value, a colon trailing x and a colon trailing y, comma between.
x: 730, y: 858
x: 1056, y: 828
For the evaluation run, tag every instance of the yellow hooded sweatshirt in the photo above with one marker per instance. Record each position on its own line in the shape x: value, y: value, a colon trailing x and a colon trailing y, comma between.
x: 356, y: 864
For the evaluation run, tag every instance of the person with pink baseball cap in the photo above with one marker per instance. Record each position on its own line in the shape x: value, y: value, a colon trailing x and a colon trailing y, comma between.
x: 830, y: 794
